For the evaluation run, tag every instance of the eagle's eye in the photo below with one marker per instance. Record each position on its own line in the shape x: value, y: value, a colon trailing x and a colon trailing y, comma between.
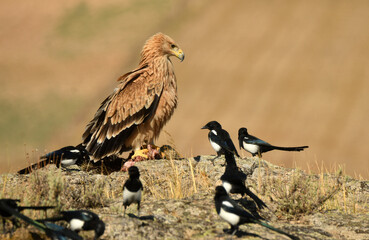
x: 172, y: 46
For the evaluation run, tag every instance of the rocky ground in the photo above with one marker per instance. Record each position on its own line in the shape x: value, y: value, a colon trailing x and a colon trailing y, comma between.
x: 178, y: 200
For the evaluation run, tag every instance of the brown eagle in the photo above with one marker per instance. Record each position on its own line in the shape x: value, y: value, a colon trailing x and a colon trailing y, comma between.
x: 145, y: 99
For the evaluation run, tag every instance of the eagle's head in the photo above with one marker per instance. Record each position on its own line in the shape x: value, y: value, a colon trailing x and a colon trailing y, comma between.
x: 160, y: 45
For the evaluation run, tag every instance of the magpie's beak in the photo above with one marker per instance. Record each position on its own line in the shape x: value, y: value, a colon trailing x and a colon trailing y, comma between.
x: 205, y: 127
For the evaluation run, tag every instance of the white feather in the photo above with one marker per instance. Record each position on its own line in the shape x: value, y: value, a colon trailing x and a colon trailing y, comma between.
x: 215, y: 132
x: 131, y: 197
x: 74, y: 151
x: 215, y: 146
x: 227, y: 186
x: 251, y: 148
x: 228, y: 204
x: 68, y: 162
x: 231, y: 218
x: 76, y: 224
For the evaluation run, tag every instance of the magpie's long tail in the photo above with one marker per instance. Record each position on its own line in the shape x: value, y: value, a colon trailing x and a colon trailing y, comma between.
x: 55, y: 230
x: 257, y: 200
x: 14, y: 212
x: 55, y: 219
x: 35, y: 207
x: 35, y: 166
x: 39, y: 225
x: 277, y: 230
x: 297, y: 149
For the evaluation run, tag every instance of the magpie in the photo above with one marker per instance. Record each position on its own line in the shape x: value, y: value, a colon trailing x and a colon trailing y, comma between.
x: 256, y: 146
x: 8, y: 208
x: 233, y: 181
x: 81, y: 220
x: 235, y: 215
x: 58, y: 232
x: 13, y: 204
x: 64, y: 157
x: 132, y: 189
x: 220, y: 139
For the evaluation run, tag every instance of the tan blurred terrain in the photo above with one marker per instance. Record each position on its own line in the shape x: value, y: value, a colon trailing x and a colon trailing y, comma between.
x: 292, y: 72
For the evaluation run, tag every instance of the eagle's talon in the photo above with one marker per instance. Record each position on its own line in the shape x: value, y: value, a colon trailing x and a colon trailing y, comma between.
x: 140, y: 155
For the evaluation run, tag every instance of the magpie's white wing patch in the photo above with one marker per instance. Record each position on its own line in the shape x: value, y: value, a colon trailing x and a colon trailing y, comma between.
x: 228, y: 204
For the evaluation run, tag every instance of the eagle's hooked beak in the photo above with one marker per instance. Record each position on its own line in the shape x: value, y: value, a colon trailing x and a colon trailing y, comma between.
x: 179, y: 54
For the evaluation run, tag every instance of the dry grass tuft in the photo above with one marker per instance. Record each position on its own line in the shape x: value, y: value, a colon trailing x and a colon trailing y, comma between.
x: 299, y: 194
x: 181, y: 181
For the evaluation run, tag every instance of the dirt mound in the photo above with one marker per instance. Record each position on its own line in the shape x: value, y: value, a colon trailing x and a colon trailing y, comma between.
x: 178, y: 200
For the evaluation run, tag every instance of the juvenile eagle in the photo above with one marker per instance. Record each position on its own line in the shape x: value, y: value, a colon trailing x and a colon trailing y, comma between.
x: 145, y: 99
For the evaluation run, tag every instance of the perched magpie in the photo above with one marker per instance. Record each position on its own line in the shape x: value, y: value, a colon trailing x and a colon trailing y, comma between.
x: 8, y: 208
x: 256, y: 146
x: 235, y: 215
x: 220, y: 139
x: 13, y: 204
x: 81, y: 220
x: 65, y: 156
x: 132, y: 189
x: 233, y: 180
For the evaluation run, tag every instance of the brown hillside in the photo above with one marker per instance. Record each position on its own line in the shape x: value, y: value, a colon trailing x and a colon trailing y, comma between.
x: 293, y: 73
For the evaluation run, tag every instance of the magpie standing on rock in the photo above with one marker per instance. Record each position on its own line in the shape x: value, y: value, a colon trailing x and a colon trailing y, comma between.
x: 220, y: 139
x: 64, y: 157
x: 132, y: 189
x: 81, y: 220
x: 235, y: 215
x: 233, y: 180
x: 7, y: 203
x: 256, y: 146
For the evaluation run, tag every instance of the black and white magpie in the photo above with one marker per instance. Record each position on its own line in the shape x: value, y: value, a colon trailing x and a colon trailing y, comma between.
x: 132, y: 189
x: 220, y: 139
x: 81, y: 220
x: 233, y: 180
x: 57, y: 232
x: 13, y: 204
x: 235, y: 215
x: 64, y: 157
x: 256, y: 146
x: 9, y: 207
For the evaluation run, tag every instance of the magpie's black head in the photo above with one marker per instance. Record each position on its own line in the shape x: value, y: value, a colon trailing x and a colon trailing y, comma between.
x: 10, y: 202
x: 100, y: 229
x: 86, y: 155
x: 133, y: 172
x: 242, y: 132
x: 220, y: 191
x: 213, y: 125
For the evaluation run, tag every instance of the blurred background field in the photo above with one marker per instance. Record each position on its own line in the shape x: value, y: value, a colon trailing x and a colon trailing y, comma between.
x: 292, y: 72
